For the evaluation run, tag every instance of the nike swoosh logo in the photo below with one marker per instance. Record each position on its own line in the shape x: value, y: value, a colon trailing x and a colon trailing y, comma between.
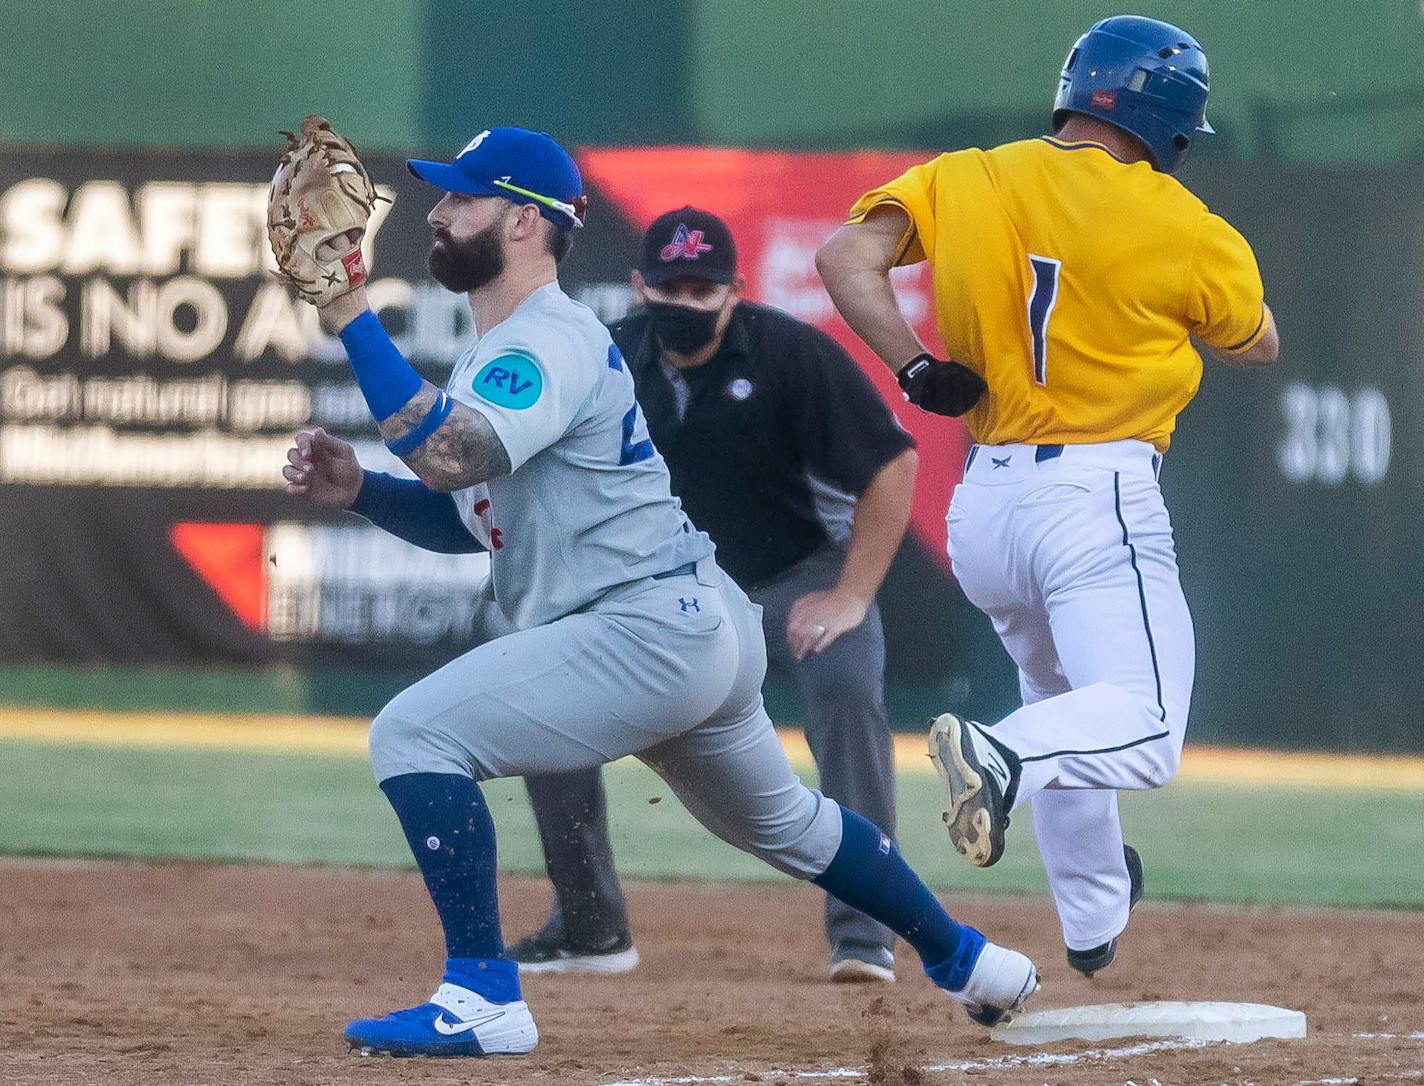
x: 449, y: 1029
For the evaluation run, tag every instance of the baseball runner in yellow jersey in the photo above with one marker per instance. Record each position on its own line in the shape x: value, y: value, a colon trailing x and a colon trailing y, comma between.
x: 1071, y: 274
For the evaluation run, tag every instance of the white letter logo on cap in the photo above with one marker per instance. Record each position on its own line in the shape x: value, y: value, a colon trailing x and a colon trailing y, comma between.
x: 474, y: 142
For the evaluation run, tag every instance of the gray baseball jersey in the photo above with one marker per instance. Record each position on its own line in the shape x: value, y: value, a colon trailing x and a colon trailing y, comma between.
x: 630, y: 639
x: 587, y: 506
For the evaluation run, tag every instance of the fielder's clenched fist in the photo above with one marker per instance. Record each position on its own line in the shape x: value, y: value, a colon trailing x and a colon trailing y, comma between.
x: 323, y: 469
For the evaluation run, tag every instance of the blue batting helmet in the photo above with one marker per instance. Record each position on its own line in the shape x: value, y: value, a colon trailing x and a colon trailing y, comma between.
x: 1144, y: 76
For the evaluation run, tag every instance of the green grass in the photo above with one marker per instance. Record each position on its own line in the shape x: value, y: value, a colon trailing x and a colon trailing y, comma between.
x: 1268, y: 844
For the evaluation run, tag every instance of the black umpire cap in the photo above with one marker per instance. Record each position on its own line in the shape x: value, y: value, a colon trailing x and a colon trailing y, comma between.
x: 688, y: 242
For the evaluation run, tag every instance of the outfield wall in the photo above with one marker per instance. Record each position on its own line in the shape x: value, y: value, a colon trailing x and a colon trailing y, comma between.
x: 1308, y: 80
x: 150, y: 375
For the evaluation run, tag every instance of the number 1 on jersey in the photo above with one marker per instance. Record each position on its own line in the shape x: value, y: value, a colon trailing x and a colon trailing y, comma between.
x: 1040, y: 307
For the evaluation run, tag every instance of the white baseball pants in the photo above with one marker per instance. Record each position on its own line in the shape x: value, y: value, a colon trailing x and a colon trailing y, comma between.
x: 1068, y: 549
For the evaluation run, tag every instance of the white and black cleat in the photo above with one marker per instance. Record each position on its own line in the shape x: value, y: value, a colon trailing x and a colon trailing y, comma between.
x: 547, y: 951
x: 1091, y: 961
x: 979, y: 780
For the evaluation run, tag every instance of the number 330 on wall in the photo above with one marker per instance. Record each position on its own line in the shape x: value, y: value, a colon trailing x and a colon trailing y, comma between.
x: 1332, y: 435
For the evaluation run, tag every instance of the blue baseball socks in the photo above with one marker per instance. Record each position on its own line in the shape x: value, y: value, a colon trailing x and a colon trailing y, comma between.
x: 869, y: 874
x: 451, y: 835
x: 449, y: 829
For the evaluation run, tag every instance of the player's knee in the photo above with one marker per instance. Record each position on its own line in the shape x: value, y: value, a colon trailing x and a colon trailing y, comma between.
x: 1166, y: 758
x: 389, y: 734
x: 405, y: 742
x: 799, y: 841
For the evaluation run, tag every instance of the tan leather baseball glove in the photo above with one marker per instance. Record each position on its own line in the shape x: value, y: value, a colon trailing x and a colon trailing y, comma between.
x: 317, y: 210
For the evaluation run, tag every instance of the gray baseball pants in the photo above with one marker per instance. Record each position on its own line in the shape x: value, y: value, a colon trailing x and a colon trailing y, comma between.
x: 669, y: 669
x: 843, y: 712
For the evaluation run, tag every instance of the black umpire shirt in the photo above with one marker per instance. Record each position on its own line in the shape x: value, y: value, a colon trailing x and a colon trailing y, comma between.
x: 740, y: 433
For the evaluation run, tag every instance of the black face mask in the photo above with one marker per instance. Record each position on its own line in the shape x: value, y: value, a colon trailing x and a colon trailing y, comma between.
x: 463, y: 266
x: 681, y: 328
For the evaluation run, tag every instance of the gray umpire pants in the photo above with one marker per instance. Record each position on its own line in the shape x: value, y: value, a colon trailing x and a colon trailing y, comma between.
x: 842, y: 695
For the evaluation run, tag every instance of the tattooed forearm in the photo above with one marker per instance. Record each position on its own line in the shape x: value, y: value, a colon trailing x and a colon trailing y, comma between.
x: 464, y: 451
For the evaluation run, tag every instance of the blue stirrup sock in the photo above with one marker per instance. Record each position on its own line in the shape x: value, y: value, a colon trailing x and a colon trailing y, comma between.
x: 869, y: 874
x: 494, y: 978
x: 386, y: 379
x: 451, y: 834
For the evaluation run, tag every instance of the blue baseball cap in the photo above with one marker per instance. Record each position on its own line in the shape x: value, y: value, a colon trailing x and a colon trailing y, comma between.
x: 520, y: 165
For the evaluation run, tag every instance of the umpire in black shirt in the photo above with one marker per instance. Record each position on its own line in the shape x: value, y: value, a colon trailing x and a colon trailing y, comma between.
x: 783, y: 452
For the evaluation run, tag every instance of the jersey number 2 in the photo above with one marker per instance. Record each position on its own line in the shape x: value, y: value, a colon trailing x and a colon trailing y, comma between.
x: 630, y: 451
x: 1040, y: 307
x: 633, y: 452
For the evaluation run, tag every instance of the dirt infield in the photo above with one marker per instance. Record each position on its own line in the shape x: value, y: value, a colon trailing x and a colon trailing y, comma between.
x: 190, y: 974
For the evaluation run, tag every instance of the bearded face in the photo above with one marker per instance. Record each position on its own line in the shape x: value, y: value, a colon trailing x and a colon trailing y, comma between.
x: 468, y: 264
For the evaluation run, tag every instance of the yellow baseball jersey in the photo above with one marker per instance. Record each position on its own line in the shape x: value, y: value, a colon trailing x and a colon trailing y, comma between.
x: 1072, y: 281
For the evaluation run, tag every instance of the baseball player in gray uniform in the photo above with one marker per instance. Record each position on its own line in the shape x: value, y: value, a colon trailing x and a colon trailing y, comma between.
x: 629, y: 639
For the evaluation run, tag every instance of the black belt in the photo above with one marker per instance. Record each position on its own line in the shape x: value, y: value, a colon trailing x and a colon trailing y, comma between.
x: 687, y: 569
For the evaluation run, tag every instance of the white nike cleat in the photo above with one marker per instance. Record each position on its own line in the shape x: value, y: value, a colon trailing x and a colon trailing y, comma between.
x: 999, y: 984
x: 979, y: 784
x: 456, y: 1022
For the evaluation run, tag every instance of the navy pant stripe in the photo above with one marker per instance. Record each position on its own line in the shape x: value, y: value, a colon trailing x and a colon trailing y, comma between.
x: 1099, y: 750
x: 1141, y: 591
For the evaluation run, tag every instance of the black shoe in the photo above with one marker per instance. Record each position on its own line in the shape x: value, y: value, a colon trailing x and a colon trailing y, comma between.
x: 1136, y: 882
x: 855, y: 961
x: 550, y: 952
x: 1089, y: 962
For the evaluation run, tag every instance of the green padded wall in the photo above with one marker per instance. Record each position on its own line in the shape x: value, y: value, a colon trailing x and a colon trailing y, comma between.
x: 208, y: 73
x: 900, y: 72
x: 1314, y: 80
